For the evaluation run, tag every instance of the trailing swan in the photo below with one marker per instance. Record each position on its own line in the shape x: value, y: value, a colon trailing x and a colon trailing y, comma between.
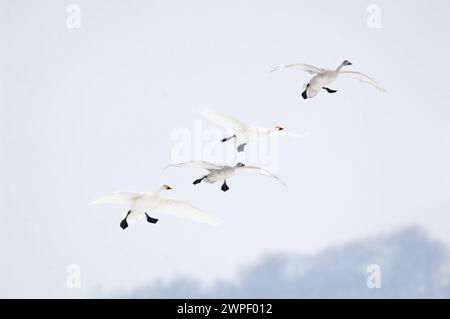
x: 242, y: 132
x: 322, y: 77
x: 145, y: 203
x: 221, y: 173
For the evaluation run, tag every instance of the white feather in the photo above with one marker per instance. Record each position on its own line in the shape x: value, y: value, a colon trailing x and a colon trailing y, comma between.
x: 223, y: 120
x: 362, y: 77
x: 117, y: 197
x: 200, y: 164
x: 261, y: 171
x: 299, y: 66
x: 186, y: 211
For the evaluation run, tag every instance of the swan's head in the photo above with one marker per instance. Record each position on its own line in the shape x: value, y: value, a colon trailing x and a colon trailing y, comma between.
x: 279, y: 128
x: 346, y: 62
x: 240, y: 164
x: 165, y: 187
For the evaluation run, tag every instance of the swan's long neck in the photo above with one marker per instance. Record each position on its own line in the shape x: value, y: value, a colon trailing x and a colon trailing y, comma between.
x: 267, y: 131
x: 340, y: 67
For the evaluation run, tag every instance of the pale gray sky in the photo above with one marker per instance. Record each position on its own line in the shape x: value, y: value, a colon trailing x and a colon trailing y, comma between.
x: 89, y: 111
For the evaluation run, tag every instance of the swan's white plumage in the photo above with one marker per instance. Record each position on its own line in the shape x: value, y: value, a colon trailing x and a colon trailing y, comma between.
x: 244, y: 133
x: 222, y: 172
x: 200, y: 164
x: 223, y: 120
x: 299, y: 66
x: 323, y: 77
x: 261, y: 171
x: 117, y: 197
x: 362, y: 77
x: 185, y: 210
x: 150, y: 202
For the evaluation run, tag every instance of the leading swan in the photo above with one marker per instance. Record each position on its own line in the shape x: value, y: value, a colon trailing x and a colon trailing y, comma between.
x: 322, y: 77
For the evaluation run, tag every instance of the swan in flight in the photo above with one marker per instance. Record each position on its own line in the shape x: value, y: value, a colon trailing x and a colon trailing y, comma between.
x: 219, y: 173
x: 243, y: 132
x: 322, y: 77
x: 144, y: 203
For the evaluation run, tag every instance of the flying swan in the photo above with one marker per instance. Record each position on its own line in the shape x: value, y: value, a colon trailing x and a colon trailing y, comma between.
x: 219, y: 173
x: 151, y: 202
x: 322, y: 77
x: 242, y: 132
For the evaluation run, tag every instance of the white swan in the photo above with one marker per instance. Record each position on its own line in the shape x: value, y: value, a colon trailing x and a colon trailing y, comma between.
x: 322, y: 77
x: 219, y: 173
x: 152, y: 202
x: 242, y: 132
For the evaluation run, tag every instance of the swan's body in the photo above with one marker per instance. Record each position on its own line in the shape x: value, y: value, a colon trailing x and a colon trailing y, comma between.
x: 242, y: 132
x: 144, y: 203
x: 322, y: 77
x: 221, y: 173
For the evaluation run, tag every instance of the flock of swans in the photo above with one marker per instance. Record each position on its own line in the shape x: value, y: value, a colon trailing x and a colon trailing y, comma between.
x: 144, y: 203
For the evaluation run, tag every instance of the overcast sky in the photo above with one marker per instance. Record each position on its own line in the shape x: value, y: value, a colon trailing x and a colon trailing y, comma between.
x: 91, y: 110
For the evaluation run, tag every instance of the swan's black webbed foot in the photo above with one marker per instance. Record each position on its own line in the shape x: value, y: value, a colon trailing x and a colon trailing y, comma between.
x: 151, y: 220
x: 241, y: 147
x: 304, y: 95
x: 329, y: 90
x: 123, y: 223
x: 226, y: 139
x: 224, y: 186
x: 198, y: 181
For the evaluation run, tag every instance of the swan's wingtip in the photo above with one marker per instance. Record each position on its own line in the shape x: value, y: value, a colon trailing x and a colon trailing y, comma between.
x: 275, y: 68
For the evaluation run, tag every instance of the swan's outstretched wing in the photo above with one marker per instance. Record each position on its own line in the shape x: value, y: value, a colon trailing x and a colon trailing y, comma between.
x: 200, y: 164
x: 362, y: 77
x: 117, y: 197
x: 185, y: 210
x: 223, y: 120
x: 299, y: 66
x: 261, y: 171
